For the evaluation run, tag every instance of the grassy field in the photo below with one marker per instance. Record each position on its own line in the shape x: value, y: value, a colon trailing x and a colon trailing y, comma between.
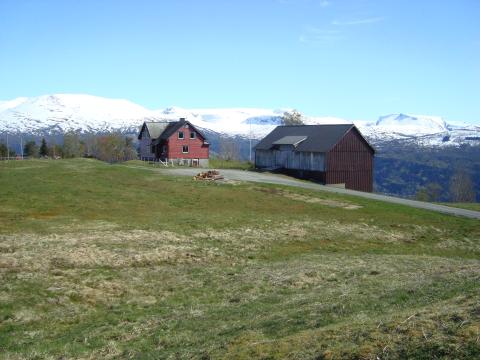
x: 468, y: 206
x: 109, y: 261
x: 216, y: 163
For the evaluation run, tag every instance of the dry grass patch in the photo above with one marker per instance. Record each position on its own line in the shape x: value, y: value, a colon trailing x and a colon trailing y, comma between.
x: 114, y: 249
x: 309, y: 199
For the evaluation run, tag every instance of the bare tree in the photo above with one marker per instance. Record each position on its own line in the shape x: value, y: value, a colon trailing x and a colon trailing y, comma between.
x: 461, y: 187
x: 71, y: 145
x: 292, y: 118
x: 91, y: 145
x: 229, y: 149
x: 431, y: 192
x: 114, y: 148
x: 130, y: 152
x: 55, y: 151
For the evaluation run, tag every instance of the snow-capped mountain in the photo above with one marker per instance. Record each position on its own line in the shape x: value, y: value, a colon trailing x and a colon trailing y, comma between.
x: 56, y: 114
x: 421, y: 130
x: 411, y: 124
x: 64, y: 112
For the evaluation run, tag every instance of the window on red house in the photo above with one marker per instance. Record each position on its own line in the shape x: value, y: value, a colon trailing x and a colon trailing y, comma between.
x: 185, y: 149
x: 193, y: 135
x: 181, y: 135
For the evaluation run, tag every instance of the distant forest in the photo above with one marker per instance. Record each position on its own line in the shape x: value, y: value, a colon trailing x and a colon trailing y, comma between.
x: 409, y: 170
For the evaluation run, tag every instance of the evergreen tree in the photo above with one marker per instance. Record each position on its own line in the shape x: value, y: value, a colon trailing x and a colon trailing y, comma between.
x: 30, y: 149
x: 43, y: 148
x: 3, y: 150
x: 6, y: 152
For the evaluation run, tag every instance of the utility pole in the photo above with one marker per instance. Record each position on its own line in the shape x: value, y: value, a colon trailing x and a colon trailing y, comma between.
x: 8, y: 149
x: 21, y: 146
x: 250, y: 139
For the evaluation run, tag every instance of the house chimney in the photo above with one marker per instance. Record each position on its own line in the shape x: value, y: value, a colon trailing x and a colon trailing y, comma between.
x: 182, y: 119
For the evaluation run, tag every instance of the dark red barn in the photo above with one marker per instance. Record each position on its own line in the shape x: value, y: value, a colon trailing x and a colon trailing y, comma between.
x: 332, y: 154
x: 178, y: 142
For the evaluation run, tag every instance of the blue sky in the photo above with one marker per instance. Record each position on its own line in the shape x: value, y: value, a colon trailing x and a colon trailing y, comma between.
x: 355, y: 59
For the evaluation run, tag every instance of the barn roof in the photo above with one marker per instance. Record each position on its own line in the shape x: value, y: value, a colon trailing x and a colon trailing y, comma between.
x: 318, y: 138
x: 290, y: 140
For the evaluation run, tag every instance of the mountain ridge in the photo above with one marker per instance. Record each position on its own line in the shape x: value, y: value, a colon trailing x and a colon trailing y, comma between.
x: 59, y: 113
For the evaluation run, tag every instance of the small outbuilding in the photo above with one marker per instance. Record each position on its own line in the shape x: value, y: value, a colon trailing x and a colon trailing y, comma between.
x: 336, y: 155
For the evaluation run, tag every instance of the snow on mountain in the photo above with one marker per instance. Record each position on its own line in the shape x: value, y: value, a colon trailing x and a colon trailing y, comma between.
x: 63, y: 112
x: 422, y: 130
x: 5, y: 105
x: 249, y: 122
x: 235, y: 121
x: 411, y: 124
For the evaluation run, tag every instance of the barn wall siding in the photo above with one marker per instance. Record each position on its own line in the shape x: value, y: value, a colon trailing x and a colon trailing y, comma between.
x: 350, y: 162
x: 264, y: 159
x: 289, y: 159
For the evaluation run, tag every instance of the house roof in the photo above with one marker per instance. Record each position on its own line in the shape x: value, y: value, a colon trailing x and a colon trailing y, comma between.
x: 163, y: 130
x: 155, y: 129
x: 317, y: 138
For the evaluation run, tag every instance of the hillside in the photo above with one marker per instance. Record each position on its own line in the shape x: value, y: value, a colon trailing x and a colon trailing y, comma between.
x: 119, y: 261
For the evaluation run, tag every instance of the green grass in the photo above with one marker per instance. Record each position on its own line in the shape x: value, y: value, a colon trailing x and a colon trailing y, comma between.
x: 215, y: 163
x: 110, y: 261
x: 468, y: 206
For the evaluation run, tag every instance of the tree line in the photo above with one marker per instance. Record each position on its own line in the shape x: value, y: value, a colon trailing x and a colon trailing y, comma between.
x: 110, y: 148
x: 461, y: 189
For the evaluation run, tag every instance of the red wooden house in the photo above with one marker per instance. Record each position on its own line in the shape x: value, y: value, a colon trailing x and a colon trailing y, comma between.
x: 177, y: 141
x: 332, y: 154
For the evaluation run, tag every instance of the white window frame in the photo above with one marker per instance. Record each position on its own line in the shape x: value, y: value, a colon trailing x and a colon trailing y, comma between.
x: 193, y: 135
x: 183, y: 149
x: 183, y: 135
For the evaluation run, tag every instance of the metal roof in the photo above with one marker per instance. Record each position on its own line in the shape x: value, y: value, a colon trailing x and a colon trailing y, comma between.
x: 318, y: 138
x: 290, y: 140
